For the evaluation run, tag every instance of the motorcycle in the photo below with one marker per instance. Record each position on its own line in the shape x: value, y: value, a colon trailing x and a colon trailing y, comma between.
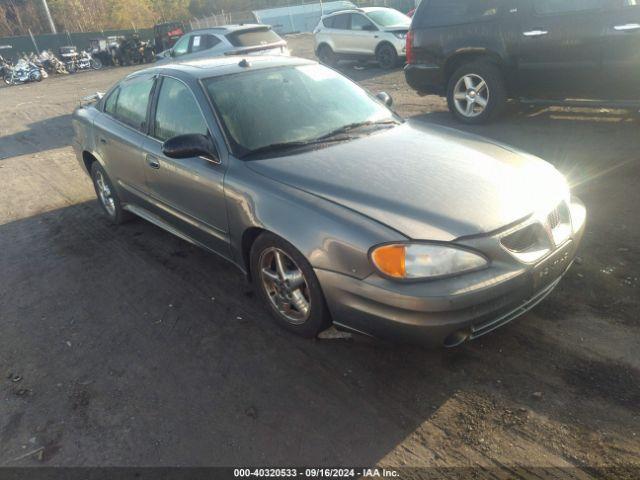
x: 84, y: 61
x: 23, y: 72
x: 5, y: 67
x: 51, y: 63
x: 33, y: 59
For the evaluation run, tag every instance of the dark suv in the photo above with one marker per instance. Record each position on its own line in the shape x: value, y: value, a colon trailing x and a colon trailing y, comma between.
x: 479, y: 53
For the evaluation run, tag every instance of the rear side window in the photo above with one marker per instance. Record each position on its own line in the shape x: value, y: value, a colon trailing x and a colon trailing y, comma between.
x: 133, y: 100
x: 110, y: 104
x: 551, y: 7
x: 251, y: 38
x: 453, y: 12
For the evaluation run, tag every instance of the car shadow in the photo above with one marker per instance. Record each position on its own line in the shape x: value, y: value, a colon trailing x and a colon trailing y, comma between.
x: 583, y: 144
x: 41, y: 135
x: 158, y: 353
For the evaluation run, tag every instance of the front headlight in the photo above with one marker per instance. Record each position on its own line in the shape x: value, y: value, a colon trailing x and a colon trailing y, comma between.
x: 423, y: 260
x: 400, y: 35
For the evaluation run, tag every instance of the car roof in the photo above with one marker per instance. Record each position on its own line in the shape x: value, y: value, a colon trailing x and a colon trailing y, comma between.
x: 219, y: 66
x: 232, y: 28
x: 356, y: 10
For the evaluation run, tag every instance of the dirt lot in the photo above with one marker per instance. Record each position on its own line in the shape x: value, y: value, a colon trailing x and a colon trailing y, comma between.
x: 127, y: 346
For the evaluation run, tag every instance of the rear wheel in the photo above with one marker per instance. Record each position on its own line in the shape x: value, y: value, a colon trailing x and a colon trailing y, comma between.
x: 476, y: 92
x: 288, y: 286
x: 96, y: 63
x: 327, y: 56
x: 107, y: 195
x: 387, y: 56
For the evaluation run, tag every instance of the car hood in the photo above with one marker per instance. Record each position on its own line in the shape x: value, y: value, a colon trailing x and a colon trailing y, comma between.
x: 426, y: 182
x: 398, y: 28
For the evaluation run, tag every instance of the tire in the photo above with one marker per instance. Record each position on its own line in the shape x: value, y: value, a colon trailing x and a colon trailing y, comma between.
x: 463, y: 94
x: 113, y: 210
x: 96, y: 63
x: 263, y: 259
x: 327, y: 56
x: 387, y: 56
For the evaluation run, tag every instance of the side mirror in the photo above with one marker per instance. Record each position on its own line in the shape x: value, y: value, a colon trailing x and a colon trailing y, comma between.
x: 172, y: 53
x: 191, y: 145
x: 385, y: 98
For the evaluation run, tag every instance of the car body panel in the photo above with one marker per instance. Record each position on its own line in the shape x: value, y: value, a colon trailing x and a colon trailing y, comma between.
x: 553, y: 56
x: 359, y: 43
x: 223, y: 45
x: 445, y: 186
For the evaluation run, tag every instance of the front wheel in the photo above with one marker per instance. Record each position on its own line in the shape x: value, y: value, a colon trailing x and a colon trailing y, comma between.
x: 476, y: 92
x: 288, y: 286
x: 327, y: 56
x: 96, y: 63
x: 387, y: 57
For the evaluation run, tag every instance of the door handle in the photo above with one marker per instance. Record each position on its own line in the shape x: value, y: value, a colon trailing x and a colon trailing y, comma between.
x: 103, y: 140
x: 627, y: 27
x: 153, y: 162
x: 535, y: 33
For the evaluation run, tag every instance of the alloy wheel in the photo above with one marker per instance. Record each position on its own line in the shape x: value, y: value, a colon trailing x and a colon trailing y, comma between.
x: 471, y: 95
x: 105, y: 195
x: 285, y: 285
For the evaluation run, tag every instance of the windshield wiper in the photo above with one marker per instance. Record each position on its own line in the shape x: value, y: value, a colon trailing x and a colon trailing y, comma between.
x: 283, y: 146
x: 353, y: 126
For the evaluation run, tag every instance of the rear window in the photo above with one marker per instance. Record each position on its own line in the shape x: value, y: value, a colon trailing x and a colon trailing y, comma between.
x: 453, y: 12
x: 252, y: 38
x: 340, y: 22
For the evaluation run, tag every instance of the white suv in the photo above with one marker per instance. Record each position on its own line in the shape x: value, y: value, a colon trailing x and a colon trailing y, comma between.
x: 362, y: 34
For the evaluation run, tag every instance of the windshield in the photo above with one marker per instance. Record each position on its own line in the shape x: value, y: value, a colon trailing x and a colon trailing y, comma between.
x: 389, y: 17
x: 289, y: 104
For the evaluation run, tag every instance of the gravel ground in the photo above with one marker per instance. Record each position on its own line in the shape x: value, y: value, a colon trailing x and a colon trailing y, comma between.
x: 127, y: 346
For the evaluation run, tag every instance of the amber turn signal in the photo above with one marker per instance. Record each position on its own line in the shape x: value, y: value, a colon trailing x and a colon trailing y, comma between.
x: 390, y: 260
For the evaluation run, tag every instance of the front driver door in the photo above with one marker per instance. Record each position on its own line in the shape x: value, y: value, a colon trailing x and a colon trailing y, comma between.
x: 364, y: 34
x: 188, y: 192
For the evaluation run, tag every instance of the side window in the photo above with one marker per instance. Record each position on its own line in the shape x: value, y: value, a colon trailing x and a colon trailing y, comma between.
x: 203, y: 42
x: 133, y: 100
x: 328, y: 22
x: 360, y: 22
x: 177, y: 112
x: 181, y: 46
x: 452, y: 12
x: 551, y: 7
x: 111, y: 101
x: 341, y: 22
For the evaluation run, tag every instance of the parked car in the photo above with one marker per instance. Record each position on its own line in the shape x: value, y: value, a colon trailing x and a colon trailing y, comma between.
x: 550, y: 52
x: 226, y: 40
x: 374, y: 33
x: 335, y: 207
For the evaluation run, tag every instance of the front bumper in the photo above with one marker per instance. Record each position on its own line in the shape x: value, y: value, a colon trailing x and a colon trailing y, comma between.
x: 448, y: 311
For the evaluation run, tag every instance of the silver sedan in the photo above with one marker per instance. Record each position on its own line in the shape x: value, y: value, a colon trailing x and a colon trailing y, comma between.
x: 338, y: 210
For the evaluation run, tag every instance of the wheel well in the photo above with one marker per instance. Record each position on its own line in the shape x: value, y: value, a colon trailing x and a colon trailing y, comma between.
x: 322, y: 45
x: 382, y: 44
x: 88, y: 160
x: 457, y: 61
x: 248, y: 237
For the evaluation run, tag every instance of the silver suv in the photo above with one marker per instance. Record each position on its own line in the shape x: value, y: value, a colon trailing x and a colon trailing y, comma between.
x: 362, y: 34
x: 225, y: 40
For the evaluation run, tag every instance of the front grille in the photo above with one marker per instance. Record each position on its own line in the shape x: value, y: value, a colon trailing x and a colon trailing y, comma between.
x: 523, y: 239
x: 554, y: 218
